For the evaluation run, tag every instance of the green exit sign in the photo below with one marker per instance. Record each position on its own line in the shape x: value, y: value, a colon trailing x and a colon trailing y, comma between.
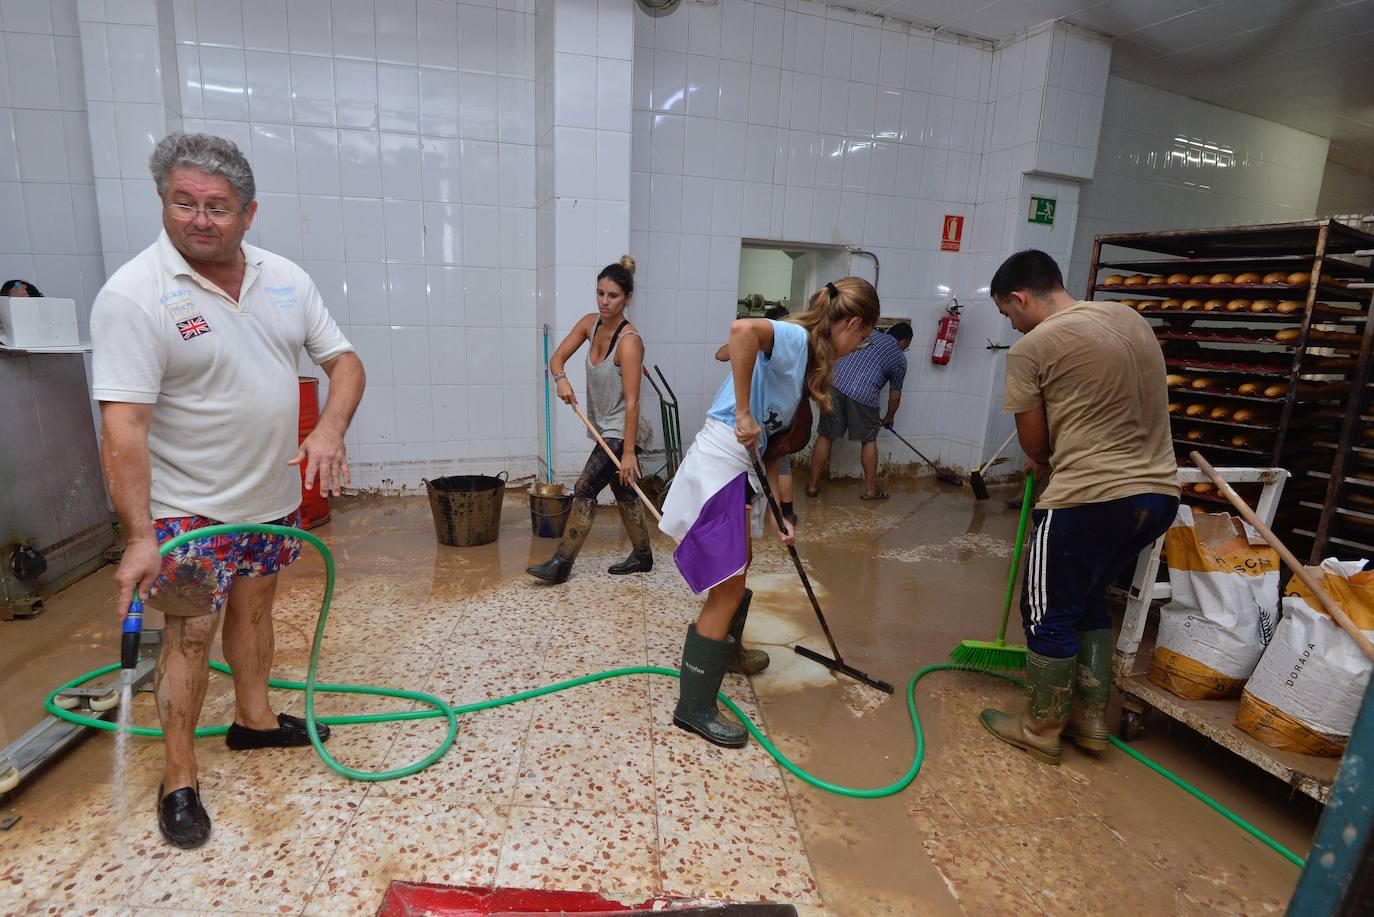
x: 1041, y: 210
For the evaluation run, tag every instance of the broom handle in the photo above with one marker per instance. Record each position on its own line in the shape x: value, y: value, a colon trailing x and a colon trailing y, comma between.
x: 996, y: 455
x: 648, y: 504
x: 1016, y: 555
x: 1335, y: 611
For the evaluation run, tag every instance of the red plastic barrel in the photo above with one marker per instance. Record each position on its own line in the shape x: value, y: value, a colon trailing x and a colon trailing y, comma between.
x: 314, y: 507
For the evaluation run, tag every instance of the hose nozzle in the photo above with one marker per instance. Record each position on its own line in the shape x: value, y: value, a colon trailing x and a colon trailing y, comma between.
x: 132, y: 636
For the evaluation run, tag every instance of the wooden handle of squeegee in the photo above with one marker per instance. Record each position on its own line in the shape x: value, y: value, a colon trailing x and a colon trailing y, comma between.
x: 648, y: 504
x: 1335, y: 611
x: 996, y: 455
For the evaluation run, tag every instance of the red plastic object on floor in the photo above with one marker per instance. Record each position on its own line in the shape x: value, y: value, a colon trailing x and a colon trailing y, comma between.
x: 314, y: 507
x: 418, y: 899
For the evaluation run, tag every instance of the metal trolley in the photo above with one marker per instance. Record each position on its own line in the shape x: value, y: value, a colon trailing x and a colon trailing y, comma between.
x: 1213, y: 719
x: 672, y: 428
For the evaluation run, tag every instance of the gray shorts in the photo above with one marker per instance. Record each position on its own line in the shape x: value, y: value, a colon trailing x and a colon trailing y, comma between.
x: 846, y: 414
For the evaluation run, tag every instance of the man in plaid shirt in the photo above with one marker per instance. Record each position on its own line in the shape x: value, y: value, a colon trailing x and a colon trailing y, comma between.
x: 859, y: 380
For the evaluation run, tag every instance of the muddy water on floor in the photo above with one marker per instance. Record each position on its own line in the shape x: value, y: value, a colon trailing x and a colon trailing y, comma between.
x: 901, y: 582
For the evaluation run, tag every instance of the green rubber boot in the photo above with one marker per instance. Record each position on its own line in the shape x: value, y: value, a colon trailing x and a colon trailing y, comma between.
x: 744, y: 661
x: 703, y: 669
x: 1049, y: 693
x: 558, y: 568
x: 641, y: 559
x: 1092, y: 688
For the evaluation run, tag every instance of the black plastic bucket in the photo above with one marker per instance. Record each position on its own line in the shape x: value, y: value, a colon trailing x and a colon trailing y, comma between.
x: 466, y: 508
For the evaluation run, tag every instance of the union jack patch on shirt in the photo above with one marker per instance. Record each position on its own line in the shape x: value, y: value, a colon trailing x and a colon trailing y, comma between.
x: 193, y: 327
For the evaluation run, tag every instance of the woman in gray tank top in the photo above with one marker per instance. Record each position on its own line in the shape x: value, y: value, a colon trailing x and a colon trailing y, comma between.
x: 614, y: 363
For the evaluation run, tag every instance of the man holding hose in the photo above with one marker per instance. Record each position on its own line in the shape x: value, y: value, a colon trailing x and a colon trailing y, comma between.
x: 196, y: 342
x: 1086, y: 384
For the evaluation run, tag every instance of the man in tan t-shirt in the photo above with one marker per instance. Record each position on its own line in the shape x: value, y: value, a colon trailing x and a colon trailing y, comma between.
x: 1087, y: 386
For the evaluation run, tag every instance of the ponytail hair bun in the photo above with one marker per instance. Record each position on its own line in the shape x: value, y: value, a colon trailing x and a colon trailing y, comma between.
x: 622, y: 273
x: 628, y: 263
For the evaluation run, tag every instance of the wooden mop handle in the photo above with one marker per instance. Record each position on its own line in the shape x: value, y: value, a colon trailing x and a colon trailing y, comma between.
x: 648, y: 504
x: 1335, y: 611
x: 996, y: 455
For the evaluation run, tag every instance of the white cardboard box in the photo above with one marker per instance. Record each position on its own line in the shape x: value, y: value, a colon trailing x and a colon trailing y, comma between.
x: 37, y: 321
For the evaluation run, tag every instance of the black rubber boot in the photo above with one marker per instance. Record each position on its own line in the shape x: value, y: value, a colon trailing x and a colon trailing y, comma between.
x: 744, y: 661
x: 1049, y: 692
x: 181, y: 818
x: 558, y: 568
x: 1092, y: 688
x: 641, y: 559
x: 703, y: 669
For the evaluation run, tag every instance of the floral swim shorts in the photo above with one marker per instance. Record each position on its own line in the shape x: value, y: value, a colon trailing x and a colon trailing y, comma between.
x: 196, y: 577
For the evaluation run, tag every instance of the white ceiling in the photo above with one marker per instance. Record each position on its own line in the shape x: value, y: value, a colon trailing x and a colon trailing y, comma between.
x: 1308, y: 64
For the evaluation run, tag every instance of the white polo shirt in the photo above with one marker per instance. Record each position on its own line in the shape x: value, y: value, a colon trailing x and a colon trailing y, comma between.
x: 221, y: 374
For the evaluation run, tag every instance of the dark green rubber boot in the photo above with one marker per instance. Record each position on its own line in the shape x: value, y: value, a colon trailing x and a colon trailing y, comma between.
x: 703, y: 669
x: 1092, y: 688
x: 744, y: 661
x: 641, y: 559
x: 558, y: 568
x: 1049, y: 693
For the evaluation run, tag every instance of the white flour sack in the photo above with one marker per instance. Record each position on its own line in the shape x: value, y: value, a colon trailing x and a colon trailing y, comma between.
x: 1307, y: 688
x: 1225, y: 603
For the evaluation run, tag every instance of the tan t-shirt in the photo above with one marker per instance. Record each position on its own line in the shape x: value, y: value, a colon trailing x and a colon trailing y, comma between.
x: 1097, y: 370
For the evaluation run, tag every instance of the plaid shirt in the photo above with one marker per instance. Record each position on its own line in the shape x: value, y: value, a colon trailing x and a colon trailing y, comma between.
x: 861, y: 375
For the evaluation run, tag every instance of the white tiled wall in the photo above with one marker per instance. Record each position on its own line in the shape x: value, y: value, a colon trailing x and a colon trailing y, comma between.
x: 1345, y: 191
x: 393, y: 143
x: 812, y: 124
x: 1169, y: 162
x: 49, y: 232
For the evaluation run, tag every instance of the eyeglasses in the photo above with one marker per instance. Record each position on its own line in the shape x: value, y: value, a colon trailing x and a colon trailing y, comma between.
x: 185, y: 213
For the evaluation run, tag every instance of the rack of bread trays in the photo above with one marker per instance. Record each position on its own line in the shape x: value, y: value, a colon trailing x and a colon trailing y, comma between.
x: 1267, y: 342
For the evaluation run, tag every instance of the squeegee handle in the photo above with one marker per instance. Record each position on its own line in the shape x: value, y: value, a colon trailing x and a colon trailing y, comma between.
x: 1016, y: 555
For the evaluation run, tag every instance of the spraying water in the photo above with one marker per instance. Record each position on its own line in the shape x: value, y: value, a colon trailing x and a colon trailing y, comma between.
x: 128, y: 657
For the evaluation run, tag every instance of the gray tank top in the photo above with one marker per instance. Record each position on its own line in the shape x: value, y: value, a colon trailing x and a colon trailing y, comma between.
x: 606, y: 390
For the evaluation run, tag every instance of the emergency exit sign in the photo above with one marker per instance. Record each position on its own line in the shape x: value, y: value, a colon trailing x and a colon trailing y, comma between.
x: 1041, y: 210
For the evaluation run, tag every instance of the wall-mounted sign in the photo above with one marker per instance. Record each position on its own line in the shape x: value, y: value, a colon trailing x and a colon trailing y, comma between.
x: 1041, y: 210
x: 952, y: 233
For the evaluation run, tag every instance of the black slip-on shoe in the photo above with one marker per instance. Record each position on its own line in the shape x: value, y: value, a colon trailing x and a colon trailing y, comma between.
x: 290, y: 733
x: 182, y: 819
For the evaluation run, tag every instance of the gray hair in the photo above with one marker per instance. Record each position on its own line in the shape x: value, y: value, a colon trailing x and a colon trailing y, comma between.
x: 204, y: 153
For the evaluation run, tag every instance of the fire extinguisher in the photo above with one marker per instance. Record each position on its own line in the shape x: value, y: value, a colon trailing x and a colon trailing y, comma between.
x: 949, y: 330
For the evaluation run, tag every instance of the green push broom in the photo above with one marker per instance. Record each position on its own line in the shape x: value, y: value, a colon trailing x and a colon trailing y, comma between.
x: 996, y: 654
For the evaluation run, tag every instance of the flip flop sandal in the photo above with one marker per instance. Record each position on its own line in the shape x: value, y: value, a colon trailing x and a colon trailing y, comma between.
x: 879, y: 494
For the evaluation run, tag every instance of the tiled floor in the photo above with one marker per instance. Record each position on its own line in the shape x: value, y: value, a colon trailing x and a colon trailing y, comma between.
x: 593, y: 788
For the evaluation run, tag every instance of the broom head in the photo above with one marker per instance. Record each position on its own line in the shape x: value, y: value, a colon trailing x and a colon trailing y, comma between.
x: 989, y: 654
x: 980, y: 487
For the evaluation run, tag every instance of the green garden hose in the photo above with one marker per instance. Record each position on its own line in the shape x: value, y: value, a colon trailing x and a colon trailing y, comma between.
x: 441, y: 708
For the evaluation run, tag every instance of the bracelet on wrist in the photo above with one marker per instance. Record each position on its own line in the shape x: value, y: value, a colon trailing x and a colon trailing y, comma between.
x: 559, y: 377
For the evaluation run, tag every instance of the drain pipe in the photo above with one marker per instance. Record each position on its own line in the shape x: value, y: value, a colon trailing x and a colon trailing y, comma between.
x: 855, y: 250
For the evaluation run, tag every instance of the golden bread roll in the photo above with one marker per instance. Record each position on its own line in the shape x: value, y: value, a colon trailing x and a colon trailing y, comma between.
x: 1248, y: 277
x: 1204, y: 487
x: 1286, y: 335
x: 1329, y: 280
x: 1195, y: 410
x: 1249, y: 388
x: 1201, y: 382
x: 1243, y: 415
x: 1213, y: 305
x: 1168, y: 304
x: 1191, y: 305
x: 1113, y: 280
x: 1262, y: 305
x: 1278, y: 390
x: 1194, y: 435
x: 1223, y: 278
x: 1288, y: 307
x: 1137, y: 280
x: 1143, y: 305
x: 1200, y: 279
x: 1299, y: 277
x: 1276, y: 277
x: 1238, y: 305
x: 1175, y: 407
x: 1220, y: 412
x: 1241, y: 439
x: 1175, y: 380
x: 1335, y: 337
x: 1176, y: 278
